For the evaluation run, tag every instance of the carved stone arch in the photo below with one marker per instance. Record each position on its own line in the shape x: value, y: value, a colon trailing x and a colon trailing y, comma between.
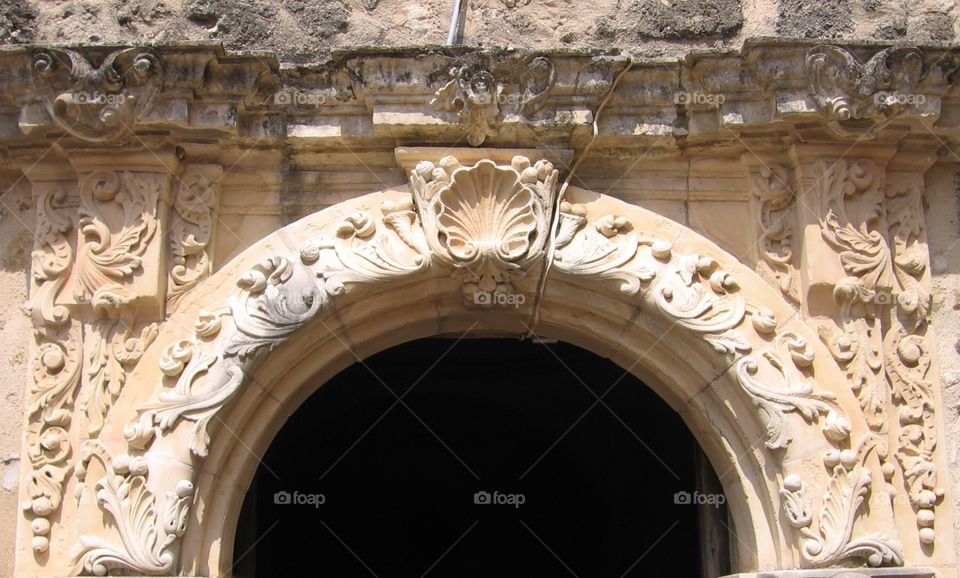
x: 751, y: 379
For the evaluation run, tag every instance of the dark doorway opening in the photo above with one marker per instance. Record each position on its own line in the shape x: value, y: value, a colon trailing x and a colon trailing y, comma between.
x: 499, y: 461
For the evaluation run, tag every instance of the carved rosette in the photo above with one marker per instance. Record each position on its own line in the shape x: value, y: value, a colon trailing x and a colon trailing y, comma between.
x: 847, y: 90
x: 98, y: 103
x: 489, y: 222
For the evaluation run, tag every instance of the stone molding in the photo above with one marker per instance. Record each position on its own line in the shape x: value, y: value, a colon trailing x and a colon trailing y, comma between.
x: 99, y: 95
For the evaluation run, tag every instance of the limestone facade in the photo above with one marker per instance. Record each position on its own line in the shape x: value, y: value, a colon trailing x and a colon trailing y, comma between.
x: 765, y: 237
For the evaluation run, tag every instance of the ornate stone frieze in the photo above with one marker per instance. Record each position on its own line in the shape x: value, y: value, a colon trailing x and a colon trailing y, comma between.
x: 147, y: 527
x: 98, y: 102
x: 99, y: 95
x: 852, y: 222
x: 488, y: 223
x: 120, y: 212
x: 119, y: 218
x: 125, y: 239
x: 795, y: 393
x: 692, y: 292
x: 91, y: 302
x: 907, y: 353
x: 57, y: 363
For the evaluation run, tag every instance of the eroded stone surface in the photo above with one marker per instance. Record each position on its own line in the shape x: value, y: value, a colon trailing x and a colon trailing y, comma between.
x: 683, y: 19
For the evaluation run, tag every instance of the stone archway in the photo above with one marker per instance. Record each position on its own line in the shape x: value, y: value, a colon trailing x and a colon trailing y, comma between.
x: 761, y: 393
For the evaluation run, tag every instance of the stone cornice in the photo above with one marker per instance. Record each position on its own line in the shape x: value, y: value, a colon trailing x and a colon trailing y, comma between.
x: 796, y: 90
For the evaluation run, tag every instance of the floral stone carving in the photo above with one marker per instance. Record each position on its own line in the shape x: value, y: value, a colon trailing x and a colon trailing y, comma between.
x: 833, y: 540
x: 884, y: 305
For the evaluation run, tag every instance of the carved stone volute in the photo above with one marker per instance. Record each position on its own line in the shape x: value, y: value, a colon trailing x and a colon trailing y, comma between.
x: 98, y: 102
x: 847, y: 90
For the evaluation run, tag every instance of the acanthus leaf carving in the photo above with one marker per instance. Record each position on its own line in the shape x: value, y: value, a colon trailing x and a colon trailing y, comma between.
x: 118, y: 222
x: 147, y: 529
x: 877, y: 233
x: 852, y: 211
x: 855, y: 350
x: 366, y: 253
x: 493, y: 218
x: 795, y: 395
x: 111, y: 349
x: 908, y: 357
x: 693, y: 292
x: 832, y: 540
x: 607, y: 251
x: 272, y: 301
x: 268, y: 306
x: 98, y: 104
x: 109, y: 256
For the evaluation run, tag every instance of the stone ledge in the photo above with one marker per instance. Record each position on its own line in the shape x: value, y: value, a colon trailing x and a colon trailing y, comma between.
x: 496, y: 98
x: 842, y: 573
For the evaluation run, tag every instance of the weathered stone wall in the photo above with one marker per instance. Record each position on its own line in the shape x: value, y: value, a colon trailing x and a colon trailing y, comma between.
x: 16, y: 243
x: 303, y: 31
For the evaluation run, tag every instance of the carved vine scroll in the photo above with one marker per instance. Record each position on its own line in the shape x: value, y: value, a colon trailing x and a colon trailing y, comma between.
x: 876, y: 229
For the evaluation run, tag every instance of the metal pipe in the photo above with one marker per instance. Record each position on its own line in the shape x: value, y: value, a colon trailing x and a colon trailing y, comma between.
x: 456, y: 23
